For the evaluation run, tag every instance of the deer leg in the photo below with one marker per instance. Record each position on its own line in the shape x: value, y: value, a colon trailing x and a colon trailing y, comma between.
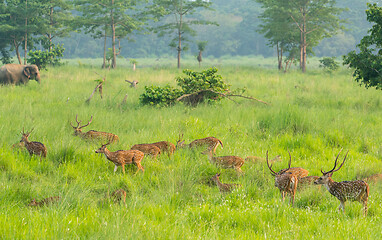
x: 123, y: 168
x: 365, y: 208
x: 342, y: 206
x: 282, y: 195
x: 115, y: 168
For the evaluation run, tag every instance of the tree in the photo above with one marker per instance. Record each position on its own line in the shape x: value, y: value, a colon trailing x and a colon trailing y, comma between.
x: 115, y: 17
x: 201, y: 47
x: 313, y: 20
x: 181, y: 25
x: 367, y: 63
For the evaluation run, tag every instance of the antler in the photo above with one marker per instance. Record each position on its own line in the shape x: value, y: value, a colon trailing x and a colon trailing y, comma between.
x: 290, y: 160
x: 79, y: 122
x: 26, y: 133
x: 270, y: 167
x: 335, y: 164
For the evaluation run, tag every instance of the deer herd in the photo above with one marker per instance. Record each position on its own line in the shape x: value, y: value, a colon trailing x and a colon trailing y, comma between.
x: 286, y: 180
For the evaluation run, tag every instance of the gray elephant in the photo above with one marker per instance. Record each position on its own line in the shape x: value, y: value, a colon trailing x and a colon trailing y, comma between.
x: 18, y: 74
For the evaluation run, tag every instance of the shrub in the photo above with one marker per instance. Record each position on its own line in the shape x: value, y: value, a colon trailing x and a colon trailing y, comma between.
x: 43, y: 58
x: 329, y: 64
x: 192, y: 83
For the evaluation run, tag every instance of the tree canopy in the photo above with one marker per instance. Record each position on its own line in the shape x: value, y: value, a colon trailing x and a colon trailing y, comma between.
x: 367, y: 63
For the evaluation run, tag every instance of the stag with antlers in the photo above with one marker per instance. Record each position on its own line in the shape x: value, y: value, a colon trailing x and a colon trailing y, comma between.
x: 36, y: 148
x: 346, y: 190
x: 286, y: 180
x: 92, y: 134
x: 122, y: 157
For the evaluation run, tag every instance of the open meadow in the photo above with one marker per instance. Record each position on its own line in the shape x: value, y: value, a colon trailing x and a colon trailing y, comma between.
x: 312, y: 115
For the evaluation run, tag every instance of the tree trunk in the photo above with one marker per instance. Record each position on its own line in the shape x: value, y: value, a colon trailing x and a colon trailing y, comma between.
x: 200, y: 58
x: 51, y: 25
x: 16, y: 45
x: 279, y: 56
x: 180, y: 33
x: 114, y: 60
x: 26, y: 34
x: 303, y: 66
x: 104, y: 48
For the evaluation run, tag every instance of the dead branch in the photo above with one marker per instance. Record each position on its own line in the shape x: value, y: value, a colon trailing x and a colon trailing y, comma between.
x: 133, y: 84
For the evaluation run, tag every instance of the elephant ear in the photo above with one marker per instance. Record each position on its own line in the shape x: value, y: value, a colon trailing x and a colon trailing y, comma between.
x: 27, y: 72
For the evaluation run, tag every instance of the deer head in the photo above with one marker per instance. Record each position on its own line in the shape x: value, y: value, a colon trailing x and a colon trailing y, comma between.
x: 180, y: 142
x: 78, y: 128
x: 324, y: 179
x: 103, y: 148
x: 25, y: 135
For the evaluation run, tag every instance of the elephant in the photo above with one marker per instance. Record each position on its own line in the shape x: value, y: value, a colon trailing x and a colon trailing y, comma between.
x: 18, y: 74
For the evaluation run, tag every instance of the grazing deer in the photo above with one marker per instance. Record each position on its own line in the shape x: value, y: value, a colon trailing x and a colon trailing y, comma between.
x: 92, y: 134
x: 118, y: 196
x: 211, y: 143
x: 226, y: 161
x: 122, y: 157
x: 347, y: 190
x: 36, y: 148
x: 44, y: 202
x: 148, y: 149
x: 286, y: 180
x: 165, y: 146
x: 224, y: 187
x: 373, y: 178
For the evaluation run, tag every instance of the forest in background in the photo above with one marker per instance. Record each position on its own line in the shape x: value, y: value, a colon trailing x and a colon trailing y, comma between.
x: 236, y: 35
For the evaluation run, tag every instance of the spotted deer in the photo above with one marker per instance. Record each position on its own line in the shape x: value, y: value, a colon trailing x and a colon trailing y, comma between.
x: 122, y: 157
x: 234, y: 162
x: 346, y: 190
x: 44, y: 202
x: 148, y: 149
x: 256, y: 159
x: 210, y: 143
x: 92, y: 134
x: 224, y: 187
x: 165, y: 147
x: 286, y: 180
x: 118, y: 196
x: 35, y: 148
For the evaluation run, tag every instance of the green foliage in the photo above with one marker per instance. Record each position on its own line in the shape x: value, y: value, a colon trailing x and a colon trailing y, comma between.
x: 367, y: 63
x: 196, y: 81
x: 193, y: 82
x: 329, y: 64
x: 160, y: 96
x: 44, y: 58
x: 5, y: 57
x: 201, y: 45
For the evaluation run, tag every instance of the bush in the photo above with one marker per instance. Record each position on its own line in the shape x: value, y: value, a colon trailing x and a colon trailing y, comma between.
x: 329, y: 64
x: 192, y: 83
x: 160, y: 96
x: 43, y: 58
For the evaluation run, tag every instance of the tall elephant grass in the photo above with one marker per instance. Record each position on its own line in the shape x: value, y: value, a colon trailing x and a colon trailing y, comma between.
x: 312, y: 115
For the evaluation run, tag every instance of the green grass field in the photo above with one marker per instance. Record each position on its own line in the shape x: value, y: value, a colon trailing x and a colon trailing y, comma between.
x: 312, y: 115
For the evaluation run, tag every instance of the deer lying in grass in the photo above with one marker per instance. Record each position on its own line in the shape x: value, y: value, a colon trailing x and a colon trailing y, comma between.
x: 92, y: 134
x: 165, y: 146
x: 286, y: 180
x: 346, y: 190
x: 44, y: 202
x: 148, y: 149
x: 210, y: 143
x: 234, y: 162
x: 122, y: 157
x: 35, y: 148
x: 224, y: 187
x: 118, y: 196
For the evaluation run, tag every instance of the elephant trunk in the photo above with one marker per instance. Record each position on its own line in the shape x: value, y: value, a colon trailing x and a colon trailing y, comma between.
x: 38, y: 77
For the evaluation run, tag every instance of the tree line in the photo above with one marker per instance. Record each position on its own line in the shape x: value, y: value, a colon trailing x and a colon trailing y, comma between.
x: 294, y: 29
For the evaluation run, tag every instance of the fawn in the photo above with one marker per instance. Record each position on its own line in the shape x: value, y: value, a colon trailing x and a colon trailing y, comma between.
x: 148, y: 149
x: 118, y: 196
x: 234, y: 162
x: 44, y: 202
x: 260, y: 159
x: 122, y: 157
x: 165, y: 146
x: 286, y: 180
x: 36, y: 148
x: 211, y: 143
x: 92, y: 134
x: 224, y: 187
x: 346, y: 190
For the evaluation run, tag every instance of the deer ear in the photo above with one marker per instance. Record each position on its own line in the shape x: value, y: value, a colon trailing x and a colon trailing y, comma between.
x: 27, y: 72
